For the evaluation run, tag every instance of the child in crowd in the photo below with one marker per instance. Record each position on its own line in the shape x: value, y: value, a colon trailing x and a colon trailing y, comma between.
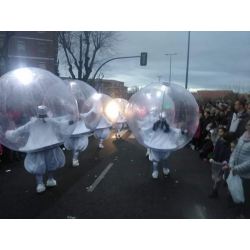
x: 216, y: 131
x: 207, y: 147
x: 221, y: 155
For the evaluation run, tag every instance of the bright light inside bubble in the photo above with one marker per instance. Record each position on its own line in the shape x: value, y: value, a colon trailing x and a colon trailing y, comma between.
x: 163, y: 87
x: 72, y: 84
x: 112, y: 110
x: 148, y: 95
x: 158, y: 94
x: 97, y: 96
x: 24, y: 75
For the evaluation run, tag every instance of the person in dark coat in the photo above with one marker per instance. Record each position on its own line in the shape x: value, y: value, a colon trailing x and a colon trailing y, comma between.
x: 207, y: 120
x: 207, y: 147
x: 241, y: 129
x: 241, y: 114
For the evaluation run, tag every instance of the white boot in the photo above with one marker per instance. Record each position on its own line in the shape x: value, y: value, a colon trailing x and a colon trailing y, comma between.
x: 166, y: 171
x: 155, y: 174
x: 40, y: 188
x: 101, y: 146
x: 75, y: 163
x: 51, y: 183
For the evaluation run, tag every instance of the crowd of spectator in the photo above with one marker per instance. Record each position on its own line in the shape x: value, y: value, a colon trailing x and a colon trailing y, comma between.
x: 223, y: 139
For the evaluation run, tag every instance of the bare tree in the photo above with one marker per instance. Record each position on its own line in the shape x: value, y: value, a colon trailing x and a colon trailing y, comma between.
x: 82, y: 50
x: 4, y: 49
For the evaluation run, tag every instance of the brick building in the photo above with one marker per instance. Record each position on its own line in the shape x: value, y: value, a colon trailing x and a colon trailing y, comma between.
x: 31, y: 49
x: 211, y: 94
x: 113, y: 88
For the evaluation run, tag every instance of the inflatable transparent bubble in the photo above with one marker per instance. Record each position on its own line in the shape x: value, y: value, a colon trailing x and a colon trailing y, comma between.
x: 89, y: 106
x: 163, y: 116
x: 106, y: 100
x: 116, y: 110
x: 36, y: 110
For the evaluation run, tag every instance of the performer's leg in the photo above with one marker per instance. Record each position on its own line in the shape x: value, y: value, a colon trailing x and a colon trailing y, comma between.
x: 39, y: 179
x: 40, y: 186
x: 100, y: 144
x: 75, y: 158
x: 166, y: 170
x: 155, y: 173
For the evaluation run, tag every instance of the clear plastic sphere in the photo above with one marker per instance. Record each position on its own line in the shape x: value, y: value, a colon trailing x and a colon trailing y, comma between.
x: 89, y: 106
x: 163, y: 116
x: 36, y: 110
x: 106, y: 100
x: 116, y: 110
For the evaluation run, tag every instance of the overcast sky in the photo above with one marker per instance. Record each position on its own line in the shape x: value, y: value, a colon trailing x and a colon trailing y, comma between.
x: 217, y: 59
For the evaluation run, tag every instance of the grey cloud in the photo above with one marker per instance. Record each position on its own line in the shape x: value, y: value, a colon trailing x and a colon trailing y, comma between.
x: 217, y: 59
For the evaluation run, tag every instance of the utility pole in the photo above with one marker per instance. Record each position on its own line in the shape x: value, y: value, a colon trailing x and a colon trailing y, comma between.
x: 159, y: 78
x: 173, y: 54
x: 186, y: 84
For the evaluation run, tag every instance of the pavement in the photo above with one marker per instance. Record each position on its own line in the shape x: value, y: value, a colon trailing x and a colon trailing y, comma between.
x: 115, y: 182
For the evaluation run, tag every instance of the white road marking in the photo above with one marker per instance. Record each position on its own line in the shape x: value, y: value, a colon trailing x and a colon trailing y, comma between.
x: 121, y: 133
x: 93, y: 186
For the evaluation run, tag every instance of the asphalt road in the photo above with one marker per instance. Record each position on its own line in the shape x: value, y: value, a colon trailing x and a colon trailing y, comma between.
x: 127, y: 189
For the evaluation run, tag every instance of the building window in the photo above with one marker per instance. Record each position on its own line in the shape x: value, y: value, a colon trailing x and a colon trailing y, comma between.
x: 41, y: 47
x: 20, y: 45
x: 42, y: 65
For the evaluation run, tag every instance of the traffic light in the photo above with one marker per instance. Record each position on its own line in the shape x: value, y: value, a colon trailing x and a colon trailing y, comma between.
x: 144, y: 56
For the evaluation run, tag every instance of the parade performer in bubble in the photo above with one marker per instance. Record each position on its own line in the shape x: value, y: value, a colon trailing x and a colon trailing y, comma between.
x: 79, y: 140
x: 102, y: 131
x: 51, y: 156
x: 161, y: 142
x: 121, y: 119
x: 163, y: 118
x: 47, y: 116
x: 118, y: 125
x: 90, y: 110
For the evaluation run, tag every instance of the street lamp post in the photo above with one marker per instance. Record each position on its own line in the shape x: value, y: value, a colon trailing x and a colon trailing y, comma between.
x: 173, y: 54
x: 186, y: 83
x: 159, y: 78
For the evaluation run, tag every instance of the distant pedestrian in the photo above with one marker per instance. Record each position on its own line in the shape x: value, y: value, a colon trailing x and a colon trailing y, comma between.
x: 240, y: 109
